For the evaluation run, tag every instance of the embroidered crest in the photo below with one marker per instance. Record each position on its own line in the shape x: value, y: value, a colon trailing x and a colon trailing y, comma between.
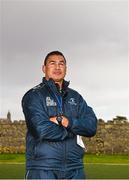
x: 72, y: 101
x: 50, y: 102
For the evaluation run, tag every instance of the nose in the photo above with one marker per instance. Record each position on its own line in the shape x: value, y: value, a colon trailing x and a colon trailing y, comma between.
x: 57, y: 65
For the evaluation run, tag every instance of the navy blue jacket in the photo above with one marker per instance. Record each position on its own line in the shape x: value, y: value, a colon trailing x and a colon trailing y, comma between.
x: 48, y: 145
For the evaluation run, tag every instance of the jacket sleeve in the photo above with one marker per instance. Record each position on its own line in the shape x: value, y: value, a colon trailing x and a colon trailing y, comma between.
x: 86, y: 122
x: 37, y: 119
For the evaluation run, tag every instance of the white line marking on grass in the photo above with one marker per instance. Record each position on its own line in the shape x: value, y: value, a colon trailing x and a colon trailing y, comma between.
x: 114, y: 164
x: 11, y: 163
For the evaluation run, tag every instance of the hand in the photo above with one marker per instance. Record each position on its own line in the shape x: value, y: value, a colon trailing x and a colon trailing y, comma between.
x: 65, y: 121
x: 53, y: 119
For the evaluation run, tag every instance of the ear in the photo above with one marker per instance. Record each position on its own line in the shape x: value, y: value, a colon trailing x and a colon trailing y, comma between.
x: 43, y: 68
x: 65, y: 70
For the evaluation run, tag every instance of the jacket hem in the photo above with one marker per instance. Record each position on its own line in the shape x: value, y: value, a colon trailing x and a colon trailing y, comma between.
x: 54, y: 168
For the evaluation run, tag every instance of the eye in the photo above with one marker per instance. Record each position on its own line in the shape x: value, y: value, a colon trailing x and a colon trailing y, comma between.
x: 61, y: 63
x: 52, y: 63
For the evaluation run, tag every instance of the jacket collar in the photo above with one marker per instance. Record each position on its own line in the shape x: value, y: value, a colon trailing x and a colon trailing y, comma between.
x: 51, y: 84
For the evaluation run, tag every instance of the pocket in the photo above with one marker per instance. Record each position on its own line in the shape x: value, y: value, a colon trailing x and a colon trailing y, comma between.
x: 40, y: 150
x: 80, y: 149
x: 76, y: 151
x: 37, y: 150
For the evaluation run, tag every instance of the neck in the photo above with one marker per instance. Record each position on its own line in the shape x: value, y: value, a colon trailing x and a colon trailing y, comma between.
x: 59, y: 83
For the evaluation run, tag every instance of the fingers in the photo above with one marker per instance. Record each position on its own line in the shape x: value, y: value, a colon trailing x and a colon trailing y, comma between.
x: 53, y: 119
x: 65, y: 121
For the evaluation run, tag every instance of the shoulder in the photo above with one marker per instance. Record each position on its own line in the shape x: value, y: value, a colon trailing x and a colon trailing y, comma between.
x: 76, y: 95
x: 33, y: 92
x: 74, y: 92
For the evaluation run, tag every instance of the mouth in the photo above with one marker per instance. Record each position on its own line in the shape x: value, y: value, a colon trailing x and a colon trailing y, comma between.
x: 57, y: 73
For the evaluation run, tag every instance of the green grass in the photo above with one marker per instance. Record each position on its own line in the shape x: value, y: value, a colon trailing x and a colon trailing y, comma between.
x: 12, y: 171
x: 93, y: 171
x: 96, y: 167
x: 12, y: 158
x: 103, y: 171
x: 90, y: 158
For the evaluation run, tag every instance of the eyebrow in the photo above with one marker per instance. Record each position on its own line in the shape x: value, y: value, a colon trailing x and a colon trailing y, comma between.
x: 55, y: 61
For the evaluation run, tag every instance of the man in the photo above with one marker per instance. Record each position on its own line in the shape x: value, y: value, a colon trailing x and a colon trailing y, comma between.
x: 55, y: 115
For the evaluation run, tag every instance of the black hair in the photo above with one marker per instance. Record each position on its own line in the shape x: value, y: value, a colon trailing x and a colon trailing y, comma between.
x: 58, y: 53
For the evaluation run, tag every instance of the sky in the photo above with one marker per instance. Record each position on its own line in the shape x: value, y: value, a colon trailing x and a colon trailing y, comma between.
x: 93, y: 36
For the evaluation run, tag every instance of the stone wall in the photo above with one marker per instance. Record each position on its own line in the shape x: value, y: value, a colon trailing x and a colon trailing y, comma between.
x: 12, y: 136
x: 112, y: 137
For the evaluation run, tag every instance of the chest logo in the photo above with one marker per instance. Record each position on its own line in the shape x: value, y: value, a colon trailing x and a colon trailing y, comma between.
x: 72, y: 101
x: 50, y: 102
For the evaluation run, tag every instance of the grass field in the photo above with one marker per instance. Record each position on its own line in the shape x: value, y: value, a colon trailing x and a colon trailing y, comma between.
x: 12, y: 166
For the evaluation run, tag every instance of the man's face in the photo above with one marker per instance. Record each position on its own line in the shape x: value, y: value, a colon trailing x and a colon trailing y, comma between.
x: 55, y: 68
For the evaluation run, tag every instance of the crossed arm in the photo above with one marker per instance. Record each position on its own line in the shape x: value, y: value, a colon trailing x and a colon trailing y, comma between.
x: 64, y: 122
x: 39, y: 122
x: 85, y: 124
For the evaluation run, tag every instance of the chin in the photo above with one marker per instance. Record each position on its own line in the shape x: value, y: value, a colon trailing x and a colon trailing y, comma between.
x: 57, y: 79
